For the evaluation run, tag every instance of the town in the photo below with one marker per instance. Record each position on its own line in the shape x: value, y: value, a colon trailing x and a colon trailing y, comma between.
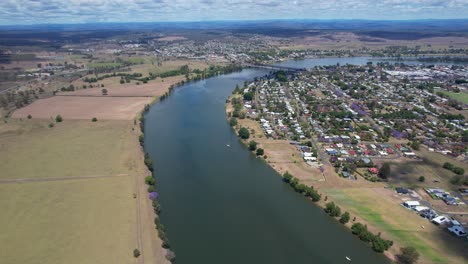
x: 382, y: 122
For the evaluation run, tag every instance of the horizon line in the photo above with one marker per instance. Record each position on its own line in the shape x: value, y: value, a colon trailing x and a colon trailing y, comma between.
x: 239, y: 20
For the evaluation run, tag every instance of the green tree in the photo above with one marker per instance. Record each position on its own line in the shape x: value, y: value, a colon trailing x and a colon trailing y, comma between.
x: 94, y: 119
x: 385, y: 171
x: 58, y: 119
x: 136, y: 253
x: 260, y: 152
x: 407, y: 255
x: 150, y: 180
x: 332, y: 209
x: 244, y: 133
x: 422, y: 178
x: 29, y: 116
x: 287, y: 177
x: 248, y: 96
x: 345, y: 218
x: 252, y: 145
x: 233, y: 121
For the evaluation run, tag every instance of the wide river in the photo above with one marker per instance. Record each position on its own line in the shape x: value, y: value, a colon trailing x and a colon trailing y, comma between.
x: 222, y: 205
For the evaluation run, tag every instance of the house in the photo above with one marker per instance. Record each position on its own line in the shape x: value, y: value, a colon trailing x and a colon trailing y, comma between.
x: 458, y: 230
x: 402, y: 190
x: 420, y: 208
x: 411, y: 204
x: 440, y: 220
x: 373, y: 170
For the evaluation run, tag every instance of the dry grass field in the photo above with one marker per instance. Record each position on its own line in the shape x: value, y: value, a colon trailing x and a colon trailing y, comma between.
x: 75, y: 201
x: 76, y: 221
x: 379, y: 208
x: 155, y: 88
x: 74, y: 107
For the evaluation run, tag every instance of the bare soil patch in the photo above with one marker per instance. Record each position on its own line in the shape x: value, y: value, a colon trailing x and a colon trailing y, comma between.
x: 72, y: 107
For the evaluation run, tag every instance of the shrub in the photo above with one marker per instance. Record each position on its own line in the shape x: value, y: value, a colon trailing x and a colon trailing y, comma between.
x: 170, y: 255
x: 151, y: 189
x: 260, y: 152
x: 252, y: 145
x: 149, y: 162
x: 94, y: 119
x: 233, y: 121
x: 141, y: 139
x: 408, y: 255
x: 345, y: 218
x: 58, y: 119
x: 29, y: 116
x: 332, y: 209
x: 136, y: 253
x: 150, y: 180
x: 287, y: 177
x: 51, y: 125
x: 244, y: 133
x: 422, y: 178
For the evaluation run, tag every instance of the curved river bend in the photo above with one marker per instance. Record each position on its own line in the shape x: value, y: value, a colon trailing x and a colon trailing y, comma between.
x: 221, y: 204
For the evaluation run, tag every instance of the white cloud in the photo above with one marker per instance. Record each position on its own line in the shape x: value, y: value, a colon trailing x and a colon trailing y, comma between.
x: 73, y: 11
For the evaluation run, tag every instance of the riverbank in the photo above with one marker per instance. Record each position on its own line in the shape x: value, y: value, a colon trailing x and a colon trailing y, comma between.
x: 369, y: 203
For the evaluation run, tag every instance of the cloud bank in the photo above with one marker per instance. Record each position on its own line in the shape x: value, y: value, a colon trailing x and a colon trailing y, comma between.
x: 83, y: 11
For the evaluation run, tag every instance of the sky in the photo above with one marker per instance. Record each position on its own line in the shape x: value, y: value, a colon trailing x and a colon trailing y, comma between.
x: 88, y: 11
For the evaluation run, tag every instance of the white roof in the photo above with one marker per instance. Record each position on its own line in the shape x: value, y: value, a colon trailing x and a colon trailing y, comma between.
x: 412, y: 203
x: 420, y: 208
x: 440, y: 219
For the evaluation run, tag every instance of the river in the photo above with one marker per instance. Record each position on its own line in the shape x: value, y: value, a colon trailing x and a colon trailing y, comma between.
x: 221, y: 204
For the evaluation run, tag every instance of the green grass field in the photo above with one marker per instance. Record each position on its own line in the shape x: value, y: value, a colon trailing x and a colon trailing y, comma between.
x: 462, y: 97
x: 76, y: 221
x: 382, y: 211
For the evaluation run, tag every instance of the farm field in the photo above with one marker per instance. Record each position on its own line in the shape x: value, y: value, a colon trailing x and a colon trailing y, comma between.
x: 70, y: 107
x: 76, y: 221
x: 74, y: 193
x: 70, y: 148
x: 154, y: 88
x: 379, y: 208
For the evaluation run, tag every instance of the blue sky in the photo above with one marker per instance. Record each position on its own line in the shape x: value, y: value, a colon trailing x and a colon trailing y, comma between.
x: 82, y: 11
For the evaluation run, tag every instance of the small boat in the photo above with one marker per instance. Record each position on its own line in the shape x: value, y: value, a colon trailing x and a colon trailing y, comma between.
x: 348, y: 258
x: 227, y: 145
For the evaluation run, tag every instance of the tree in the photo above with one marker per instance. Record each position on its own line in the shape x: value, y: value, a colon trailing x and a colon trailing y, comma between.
x: 408, y: 255
x: 104, y: 91
x: 260, y: 152
x: 248, y: 96
x: 136, y: 253
x: 287, y: 177
x: 29, y: 116
x: 233, y: 121
x: 385, y: 171
x: 58, y: 119
x: 244, y: 133
x: 252, y: 145
x: 422, y: 178
x: 39, y: 65
x: 332, y: 209
x: 150, y: 180
x: 94, y: 119
x: 345, y: 218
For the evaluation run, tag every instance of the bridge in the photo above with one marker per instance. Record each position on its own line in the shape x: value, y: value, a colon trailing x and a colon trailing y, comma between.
x: 275, y: 67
